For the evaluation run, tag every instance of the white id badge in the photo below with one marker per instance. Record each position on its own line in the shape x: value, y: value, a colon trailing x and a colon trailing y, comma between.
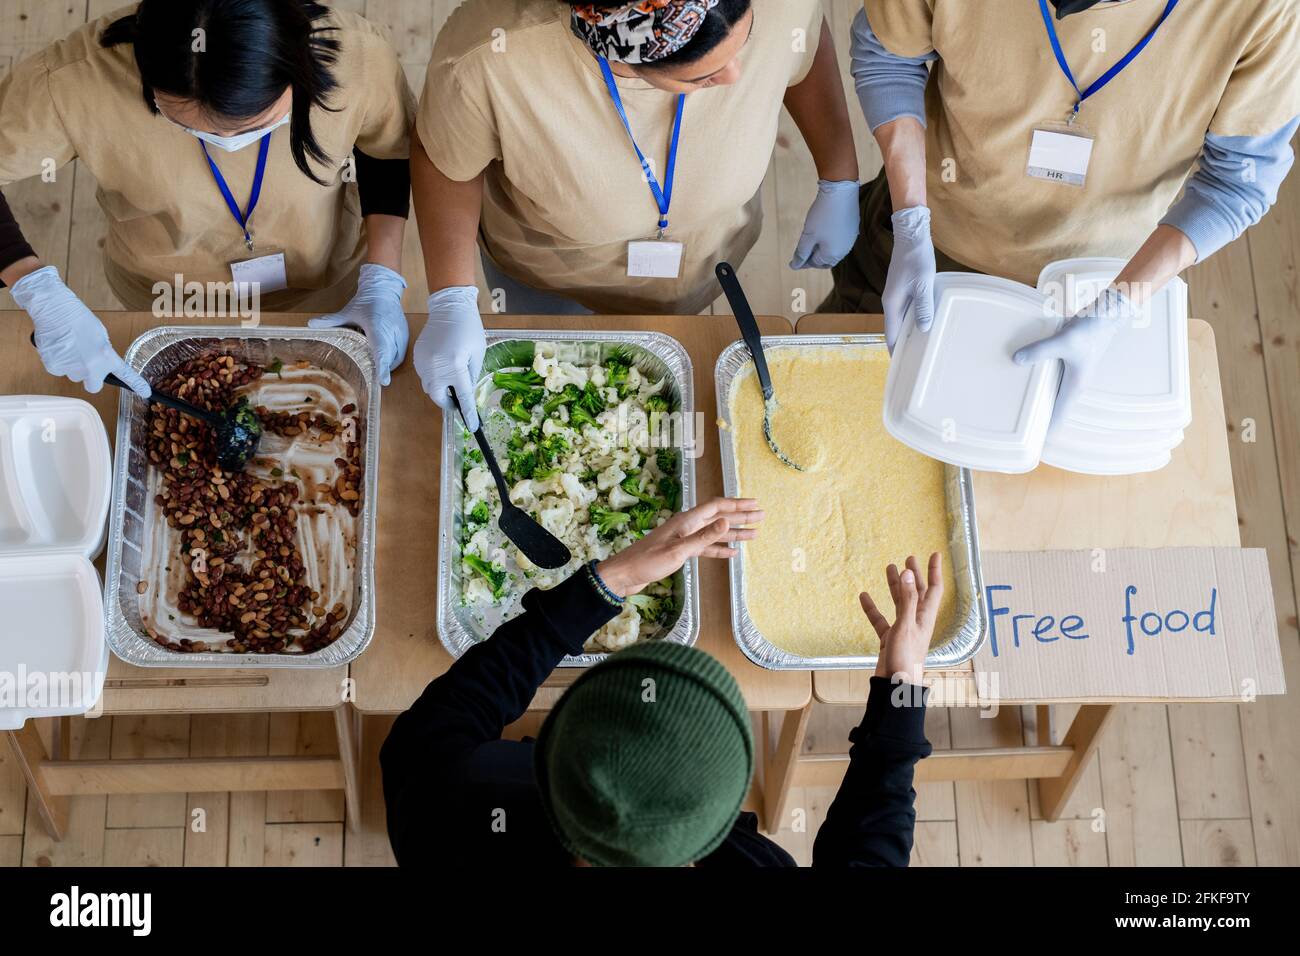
x: 1060, y: 153
x: 267, y: 272
x: 654, y: 259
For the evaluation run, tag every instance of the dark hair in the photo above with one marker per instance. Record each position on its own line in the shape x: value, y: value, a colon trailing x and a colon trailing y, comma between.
x: 717, y: 26
x: 252, y: 51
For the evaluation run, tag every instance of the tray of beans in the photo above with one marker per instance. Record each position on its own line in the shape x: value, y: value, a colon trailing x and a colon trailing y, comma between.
x: 266, y: 565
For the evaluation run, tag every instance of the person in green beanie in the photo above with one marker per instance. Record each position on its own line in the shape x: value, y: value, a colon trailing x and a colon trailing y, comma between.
x: 647, y: 758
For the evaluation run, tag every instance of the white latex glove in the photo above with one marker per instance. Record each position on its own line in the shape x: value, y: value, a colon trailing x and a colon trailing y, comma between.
x: 71, y: 340
x: 376, y: 310
x: 1080, y: 345
x: 449, y: 352
x: 830, y: 228
x: 911, y: 273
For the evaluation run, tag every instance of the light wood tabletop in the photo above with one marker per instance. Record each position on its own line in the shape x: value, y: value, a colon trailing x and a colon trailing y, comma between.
x: 1189, y: 502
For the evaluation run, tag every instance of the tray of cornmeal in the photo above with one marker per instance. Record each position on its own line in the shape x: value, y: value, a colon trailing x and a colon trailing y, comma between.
x: 862, y: 501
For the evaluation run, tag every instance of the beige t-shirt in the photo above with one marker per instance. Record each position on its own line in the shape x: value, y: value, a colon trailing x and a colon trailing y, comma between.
x: 166, y: 215
x: 1228, y: 68
x: 513, y: 91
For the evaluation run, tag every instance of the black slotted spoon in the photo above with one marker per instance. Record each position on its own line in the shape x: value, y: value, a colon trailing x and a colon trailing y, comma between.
x: 754, y: 339
x: 538, y: 545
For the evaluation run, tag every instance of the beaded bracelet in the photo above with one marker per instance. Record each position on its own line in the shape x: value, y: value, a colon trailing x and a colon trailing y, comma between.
x: 601, y: 587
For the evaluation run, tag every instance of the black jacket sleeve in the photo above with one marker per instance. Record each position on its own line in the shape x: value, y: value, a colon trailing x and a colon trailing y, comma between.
x: 491, y: 685
x: 12, y: 244
x: 384, y: 185
x: 871, y: 820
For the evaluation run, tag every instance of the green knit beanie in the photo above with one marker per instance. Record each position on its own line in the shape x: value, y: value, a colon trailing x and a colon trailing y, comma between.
x: 645, y: 761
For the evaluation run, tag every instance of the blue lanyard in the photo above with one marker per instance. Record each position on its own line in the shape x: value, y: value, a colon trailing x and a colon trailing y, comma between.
x: 242, y: 217
x: 1115, y: 70
x: 663, y: 195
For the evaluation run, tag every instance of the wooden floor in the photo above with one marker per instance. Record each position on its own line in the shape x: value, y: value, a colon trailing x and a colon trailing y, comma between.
x: 1196, y: 785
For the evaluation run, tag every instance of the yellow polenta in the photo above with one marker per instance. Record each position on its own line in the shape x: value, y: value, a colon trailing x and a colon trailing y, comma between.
x: 864, y: 501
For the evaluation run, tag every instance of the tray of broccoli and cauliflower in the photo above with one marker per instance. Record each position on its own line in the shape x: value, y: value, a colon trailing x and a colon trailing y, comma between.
x: 594, y: 432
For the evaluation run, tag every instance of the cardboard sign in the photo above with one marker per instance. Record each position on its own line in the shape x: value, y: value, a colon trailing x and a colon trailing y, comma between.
x: 1130, y: 622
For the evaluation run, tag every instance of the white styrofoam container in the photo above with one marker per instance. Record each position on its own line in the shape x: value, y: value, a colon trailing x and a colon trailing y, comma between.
x: 954, y: 393
x: 55, y: 486
x: 1144, y: 380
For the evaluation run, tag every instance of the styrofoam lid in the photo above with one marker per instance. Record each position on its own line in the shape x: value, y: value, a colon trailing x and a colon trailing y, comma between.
x: 954, y: 392
x: 55, y: 476
x: 1106, y: 465
x: 1078, y: 438
x: 1144, y: 379
x: 52, y: 645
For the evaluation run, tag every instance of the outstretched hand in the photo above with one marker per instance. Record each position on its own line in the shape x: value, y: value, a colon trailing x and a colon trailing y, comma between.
x: 904, y: 643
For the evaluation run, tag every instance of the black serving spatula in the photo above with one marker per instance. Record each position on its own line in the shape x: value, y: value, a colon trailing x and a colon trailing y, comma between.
x: 753, y: 338
x: 538, y: 545
x: 236, y: 431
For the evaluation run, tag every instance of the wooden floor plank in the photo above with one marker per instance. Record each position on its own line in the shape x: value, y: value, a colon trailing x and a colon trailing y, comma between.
x: 993, y: 816
x: 935, y: 844
x: 1137, y: 786
x: 161, y: 735
x: 304, y: 844
x: 369, y: 846
x: 13, y: 792
x: 1086, y: 799
x: 1206, y: 742
x: 1068, y: 843
x: 304, y: 735
x: 83, y: 843
x: 207, y: 827
x: 1218, y: 843
x: 11, y: 850
x: 153, y: 846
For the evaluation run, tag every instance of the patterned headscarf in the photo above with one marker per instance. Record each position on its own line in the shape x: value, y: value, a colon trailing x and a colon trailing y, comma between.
x: 640, y: 32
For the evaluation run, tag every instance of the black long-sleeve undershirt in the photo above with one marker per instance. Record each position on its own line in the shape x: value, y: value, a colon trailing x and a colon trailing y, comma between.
x: 13, y: 246
x: 457, y: 794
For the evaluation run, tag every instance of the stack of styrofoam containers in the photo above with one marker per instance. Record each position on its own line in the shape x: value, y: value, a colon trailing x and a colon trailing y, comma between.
x: 955, y: 394
x: 55, y: 486
x: 1135, y: 406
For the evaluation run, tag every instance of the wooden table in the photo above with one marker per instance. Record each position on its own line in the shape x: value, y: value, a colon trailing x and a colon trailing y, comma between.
x: 1190, y: 502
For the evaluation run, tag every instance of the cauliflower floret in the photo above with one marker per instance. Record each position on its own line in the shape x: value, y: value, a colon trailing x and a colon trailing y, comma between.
x: 609, y: 478
x: 649, y: 388
x: 576, y: 491
x: 620, y: 499
x: 499, y: 557
x: 477, y: 591
x: 629, y: 459
x: 596, y: 547
x: 598, y: 441
x: 521, y: 559
x: 553, y: 426
x: 523, y: 495
x: 477, y: 482
x: 609, y: 394
x: 598, y: 376
x: 544, y: 360
x: 555, y: 514
x: 623, y: 631
x: 566, y: 373
x: 633, y: 378
x: 480, y: 542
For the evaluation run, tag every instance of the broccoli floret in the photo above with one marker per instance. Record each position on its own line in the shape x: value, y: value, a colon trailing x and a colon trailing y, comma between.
x: 551, y: 448
x: 567, y: 396
x: 579, y: 416
x: 607, y: 521
x: 494, y: 575
x: 589, y: 401
x: 656, y: 403
x: 523, y: 464
x: 671, y: 489
x: 480, y: 513
x: 654, y: 610
x: 644, y: 517
x: 616, y: 370
x: 666, y: 458
x: 516, y: 405
x: 523, y: 382
x: 473, y: 457
x: 631, y: 484
x: 588, y: 476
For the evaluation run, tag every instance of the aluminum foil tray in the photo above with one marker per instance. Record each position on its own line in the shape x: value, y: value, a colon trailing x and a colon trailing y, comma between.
x: 154, y: 354
x: 654, y: 354
x: 971, y: 620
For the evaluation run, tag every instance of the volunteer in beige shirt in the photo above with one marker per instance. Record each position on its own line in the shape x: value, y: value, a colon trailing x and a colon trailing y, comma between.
x: 606, y: 156
x: 1018, y: 132
x: 223, y: 135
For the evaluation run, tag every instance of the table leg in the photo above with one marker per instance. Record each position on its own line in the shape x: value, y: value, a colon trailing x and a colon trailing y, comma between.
x: 29, y: 751
x: 1082, y: 737
x: 346, y: 720
x: 779, y: 770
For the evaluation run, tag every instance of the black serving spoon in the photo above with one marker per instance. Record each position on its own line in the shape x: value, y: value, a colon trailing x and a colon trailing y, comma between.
x: 753, y: 338
x: 538, y: 545
x: 236, y: 431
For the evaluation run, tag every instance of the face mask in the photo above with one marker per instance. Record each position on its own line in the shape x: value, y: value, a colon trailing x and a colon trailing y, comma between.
x: 232, y: 144
x: 1066, y: 7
